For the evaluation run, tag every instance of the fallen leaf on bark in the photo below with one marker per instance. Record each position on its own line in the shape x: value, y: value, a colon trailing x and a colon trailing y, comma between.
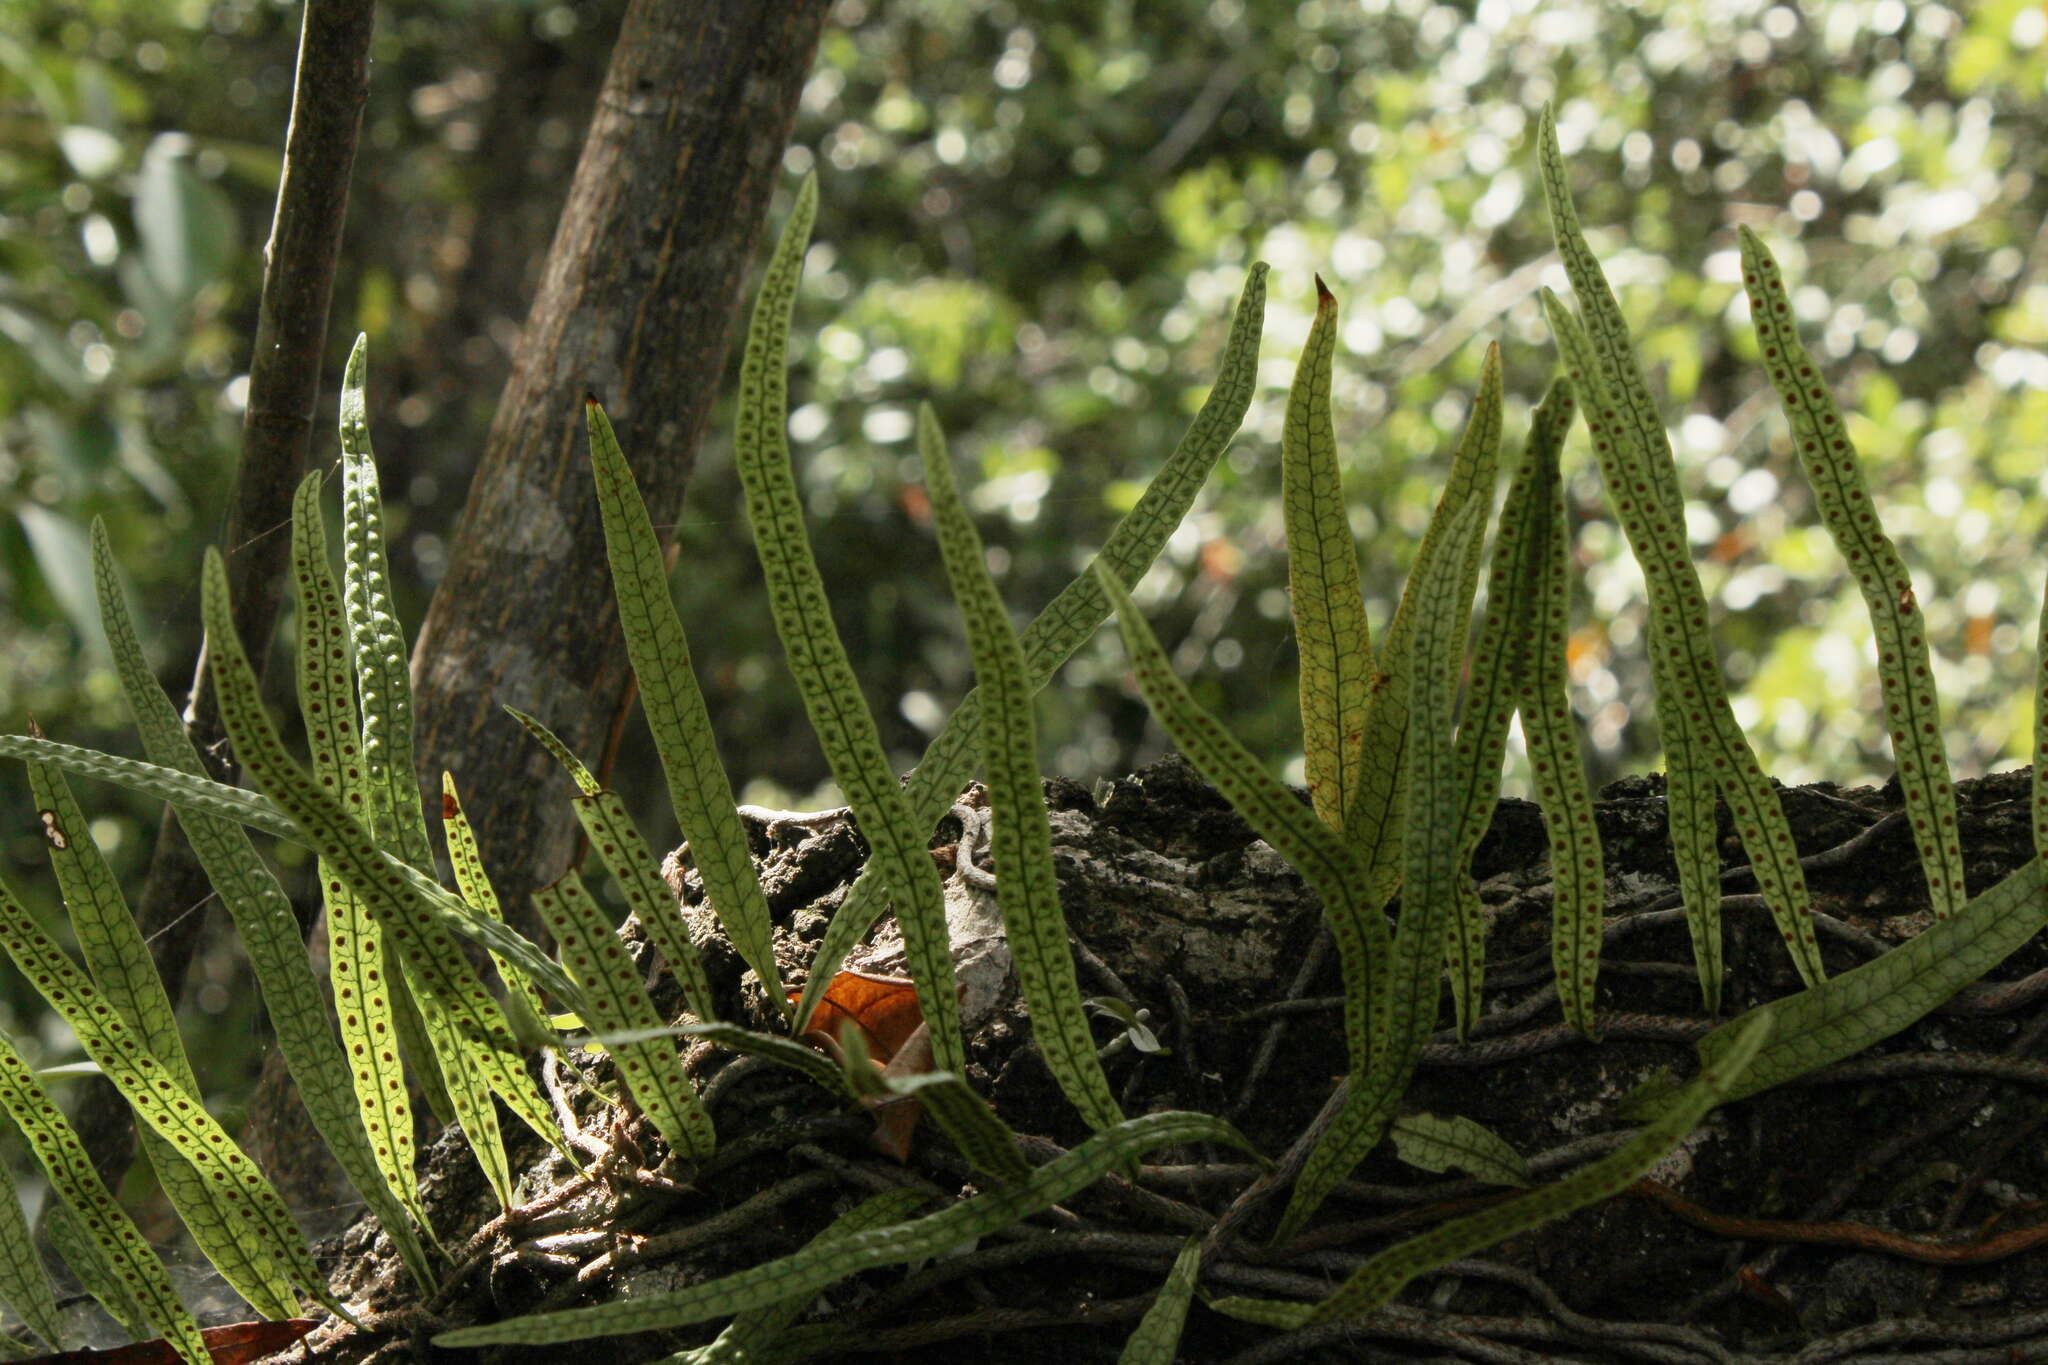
x: 235, y: 1344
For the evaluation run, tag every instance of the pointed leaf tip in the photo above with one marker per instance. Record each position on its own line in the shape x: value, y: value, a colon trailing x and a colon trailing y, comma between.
x: 1324, y: 298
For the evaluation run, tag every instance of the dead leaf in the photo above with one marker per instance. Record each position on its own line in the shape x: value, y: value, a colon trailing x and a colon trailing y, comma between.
x: 234, y: 1344
x: 883, y: 1008
x: 882, y: 1012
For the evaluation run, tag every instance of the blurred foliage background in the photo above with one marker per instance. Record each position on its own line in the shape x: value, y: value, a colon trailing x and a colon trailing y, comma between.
x: 1038, y: 216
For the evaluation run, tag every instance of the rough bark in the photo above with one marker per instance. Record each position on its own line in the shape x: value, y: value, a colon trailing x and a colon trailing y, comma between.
x: 1930, y: 1139
x: 636, y: 304
x: 277, y: 430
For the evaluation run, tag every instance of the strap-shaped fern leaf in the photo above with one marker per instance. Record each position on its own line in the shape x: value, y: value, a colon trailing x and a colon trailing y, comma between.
x: 1375, y: 822
x: 74, y: 1243
x: 118, y: 962
x: 810, y: 642
x: 1483, y: 730
x: 1337, y: 668
x: 1374, y: 1284
x: 153, y: 1090
x: 1577, y: 871
x: 1357, y: 923
x: 806, y: 1271
x: 355, y: 955
x: 206, y: 797
x: 1689, y: 783
x: 652, y: 1073
x: 1156, y: 1339
x: 659, y: 649
x: 1848, y: 1013
x: 264, y: 917
x: 751, y: 1336
x: 400, y: 906
x: 1433, y: 869
x: 114, y: 1237
x: 525, y: 1011
x: 382, y: 662
x: 1027, y: 891
x: 1071, y: 617
x: 1905, y: 677
x: 24, y: 1285
x: 184, y: 790
x: 612, y: 833
x: 389, y: 781
x: 1705, y: 748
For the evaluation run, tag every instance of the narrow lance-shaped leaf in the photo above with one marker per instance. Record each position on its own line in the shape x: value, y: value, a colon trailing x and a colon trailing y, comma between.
x: 1433, y: 1142
x: 1577, y: 873
x: 1635, y: 462
x: 182, y: 789
x: 1374, y: 1284
x: 1337, y: 669
x: 612, y: 833
x: 262, y: 913
x: 1374, y: 825
x: 118, y: 962
x: 785, y: 1052
x: 751, y: 1335
x: 524, y: 1008
x: 698, y: 787
x: 1905, y: 678
x: 24, y: 1286
x: 650, y: 1069
x: 1071, y: 617
x: 387, y: 775
x: 355, y: 949
x: 397, y: 901
x: 382, y: 662
x: 1848, y: 1013
x: 1689, y: 783
x: 1483, y: 733
x: 74, y: 1243
x: 1433, y: 871
x: 1027, y: 891
x: 115, y: 1239
x: 806, y: 1271
x: 157, y: 1098
x: 206, y: 797
x: 1157, y: 1337
x: 1357, y: 925
x: 803, y: 621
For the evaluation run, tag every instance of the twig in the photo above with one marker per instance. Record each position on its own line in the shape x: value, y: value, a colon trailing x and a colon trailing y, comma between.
x: 328, y: 93
x: 733, y: 1220
x: 1269, y: 1046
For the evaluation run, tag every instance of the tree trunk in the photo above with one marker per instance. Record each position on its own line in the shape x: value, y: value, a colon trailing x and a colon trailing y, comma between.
x: 636, y: 304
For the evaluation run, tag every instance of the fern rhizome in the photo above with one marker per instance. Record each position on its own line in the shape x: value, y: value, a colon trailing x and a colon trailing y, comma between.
x: 1404, y: 740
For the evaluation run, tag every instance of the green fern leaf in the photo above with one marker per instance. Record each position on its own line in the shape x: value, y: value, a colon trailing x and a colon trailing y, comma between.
x: 652, y: 1073
x: 803, y: 621
x: 1905, y: 677
x: 1027, y: 891
x: 698, y: 787
x: 112, y: 1236
x: 1070, y: 618
x: 805, y: 1272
